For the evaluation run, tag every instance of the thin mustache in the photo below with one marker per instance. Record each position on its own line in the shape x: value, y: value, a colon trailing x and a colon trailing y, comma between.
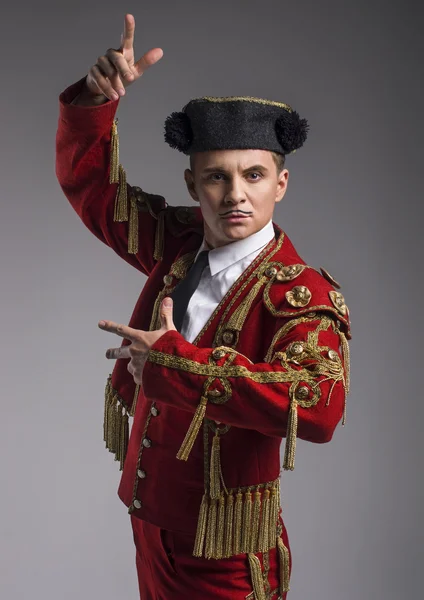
x: 235, y: 212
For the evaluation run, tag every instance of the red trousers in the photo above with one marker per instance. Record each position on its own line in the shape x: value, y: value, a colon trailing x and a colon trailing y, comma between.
x: 167, y: 570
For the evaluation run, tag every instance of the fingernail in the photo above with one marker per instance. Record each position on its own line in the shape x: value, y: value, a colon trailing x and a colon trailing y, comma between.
x: 167, y: 302
x: 121, y: 91
x: 102, y: 323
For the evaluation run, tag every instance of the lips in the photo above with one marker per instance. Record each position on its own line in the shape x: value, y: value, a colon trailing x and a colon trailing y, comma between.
x: 236, y: 216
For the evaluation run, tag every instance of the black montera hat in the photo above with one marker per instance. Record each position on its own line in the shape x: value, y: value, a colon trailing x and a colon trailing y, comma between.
x: 235, y: 123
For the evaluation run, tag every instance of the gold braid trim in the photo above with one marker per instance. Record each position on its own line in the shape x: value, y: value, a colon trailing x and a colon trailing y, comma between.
x: 215, y: 468
x: 234, y: 524
x: 238, y: 318
x: 115, y: 424
x: 284, y: 560
x: 257, y: 579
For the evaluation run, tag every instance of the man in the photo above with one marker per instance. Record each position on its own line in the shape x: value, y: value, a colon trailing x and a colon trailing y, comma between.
x: 258, y: 350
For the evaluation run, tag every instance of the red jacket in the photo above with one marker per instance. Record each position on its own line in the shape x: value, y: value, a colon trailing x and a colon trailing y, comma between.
x: 271, y: 363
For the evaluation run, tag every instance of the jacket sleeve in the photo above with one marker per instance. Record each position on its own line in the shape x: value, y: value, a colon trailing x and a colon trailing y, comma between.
x: 91, y: 177
x: 298, y: 391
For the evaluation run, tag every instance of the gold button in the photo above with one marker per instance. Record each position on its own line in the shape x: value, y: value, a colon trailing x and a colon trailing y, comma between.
x: 296, y: 348
x: 300, y: 295
x: 147, y: 443
x: 332, y: 355
x: 271, y: 272
x: 217, y: 354
x: 167, y: 280
x: 228, y: 337
x: 214, y: 393
x: 137, y: 503
x: 302, y: 392
x: 154, y: 411
x: 141, y: 474
x: 311, y: 314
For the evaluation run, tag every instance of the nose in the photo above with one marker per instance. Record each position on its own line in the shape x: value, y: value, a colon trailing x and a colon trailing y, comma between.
x: 235, y: 192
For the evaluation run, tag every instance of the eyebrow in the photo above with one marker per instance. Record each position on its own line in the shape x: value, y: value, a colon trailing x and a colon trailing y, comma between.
x: 224, y: 170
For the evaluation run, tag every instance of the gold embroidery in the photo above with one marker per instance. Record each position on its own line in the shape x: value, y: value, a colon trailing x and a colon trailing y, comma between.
x: 339, y: 302
x: 290, y: 272
x: 300, y: 295
x: 257, y: 579
x: 245, y: 99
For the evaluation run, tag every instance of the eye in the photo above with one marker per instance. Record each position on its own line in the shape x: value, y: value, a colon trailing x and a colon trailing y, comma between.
x: 255, y: 175
x: 216, y: 177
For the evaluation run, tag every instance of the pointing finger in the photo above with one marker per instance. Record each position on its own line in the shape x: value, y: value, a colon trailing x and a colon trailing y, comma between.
x: 123, y: 352
x: 127, y: 40
x: 122, y: 330
x: 147, y: 60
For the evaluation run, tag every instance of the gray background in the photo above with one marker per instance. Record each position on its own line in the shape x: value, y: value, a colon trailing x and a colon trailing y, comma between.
x: 354, y: 69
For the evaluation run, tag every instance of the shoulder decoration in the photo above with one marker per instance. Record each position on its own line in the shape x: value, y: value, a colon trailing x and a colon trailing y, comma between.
x: 312, y: 293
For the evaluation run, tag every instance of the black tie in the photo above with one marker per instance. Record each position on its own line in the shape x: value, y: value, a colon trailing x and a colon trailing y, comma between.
x: 186, y: 288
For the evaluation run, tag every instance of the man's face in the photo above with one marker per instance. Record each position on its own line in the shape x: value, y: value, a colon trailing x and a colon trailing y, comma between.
x: 237, y: 191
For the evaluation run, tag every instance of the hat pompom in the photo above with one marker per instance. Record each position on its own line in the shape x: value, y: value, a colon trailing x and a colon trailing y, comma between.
x: 178, y: 132
x: 291, y: 131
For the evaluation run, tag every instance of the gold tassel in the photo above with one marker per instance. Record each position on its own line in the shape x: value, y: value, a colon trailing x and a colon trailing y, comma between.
x: 201, y: 527
x: 228, y: 542
x: 159, y: 236
x: 237, y: 523
x: 284, y: 557
x: 220, y: 528
x: 247, y: 515
x: 124, y: 440
x: 193, y: 430
x: 114, y: 153
x: 273, y: 517
x: 210, y: 546
x: 110, y: 443
x: 290, y: 449
x: 254, y: 536
x: 264, y: 526
x: 215, y: 468
x: 108, y: 397
x: 346, y: 362
x: 133, y: 228
x: 257, y: 579
x: 118, y: 423
x: 121, y: 200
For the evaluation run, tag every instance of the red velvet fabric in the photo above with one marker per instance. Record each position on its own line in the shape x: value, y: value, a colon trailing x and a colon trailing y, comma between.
x: 166, y: 569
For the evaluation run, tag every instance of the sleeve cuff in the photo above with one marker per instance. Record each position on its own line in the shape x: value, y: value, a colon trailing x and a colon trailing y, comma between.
x: 83, y: 117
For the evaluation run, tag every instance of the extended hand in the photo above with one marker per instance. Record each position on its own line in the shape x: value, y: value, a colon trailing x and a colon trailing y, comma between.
x: 117, y: 69
x: 141, y: 341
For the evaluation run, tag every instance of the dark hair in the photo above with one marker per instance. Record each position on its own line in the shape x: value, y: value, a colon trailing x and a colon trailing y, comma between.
x: 278, y: 158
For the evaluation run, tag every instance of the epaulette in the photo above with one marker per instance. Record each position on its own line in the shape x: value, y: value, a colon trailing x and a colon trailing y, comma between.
x: 180, y: 220
x: 298, y: 289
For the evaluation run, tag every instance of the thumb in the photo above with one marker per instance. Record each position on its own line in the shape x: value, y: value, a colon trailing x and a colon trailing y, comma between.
x: 166, y: 318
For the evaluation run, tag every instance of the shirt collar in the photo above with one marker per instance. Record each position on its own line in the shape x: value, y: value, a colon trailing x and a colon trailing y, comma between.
x: 225, y: 256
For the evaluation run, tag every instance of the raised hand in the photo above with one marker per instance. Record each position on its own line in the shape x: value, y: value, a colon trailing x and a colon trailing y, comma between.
x: 117, y: 69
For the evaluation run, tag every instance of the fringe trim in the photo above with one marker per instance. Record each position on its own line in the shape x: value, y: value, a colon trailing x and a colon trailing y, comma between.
x: 133, y: 228
x: 257, y: 579
x: 346, y: 361
x: 115, y: 424
x: 193, y: 430
x: 284, y: 560
x: 290, y: 448
x: 215, y: 468
x: 238, y: 522
x: 159, y: 236
x: 121, y: 200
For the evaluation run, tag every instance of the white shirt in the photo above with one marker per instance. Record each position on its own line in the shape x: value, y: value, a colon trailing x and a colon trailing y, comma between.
x: 226, y: 264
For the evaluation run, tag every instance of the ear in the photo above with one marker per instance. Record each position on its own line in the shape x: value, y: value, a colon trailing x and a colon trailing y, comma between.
x: 282, y: 182
x: 189, y: 179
